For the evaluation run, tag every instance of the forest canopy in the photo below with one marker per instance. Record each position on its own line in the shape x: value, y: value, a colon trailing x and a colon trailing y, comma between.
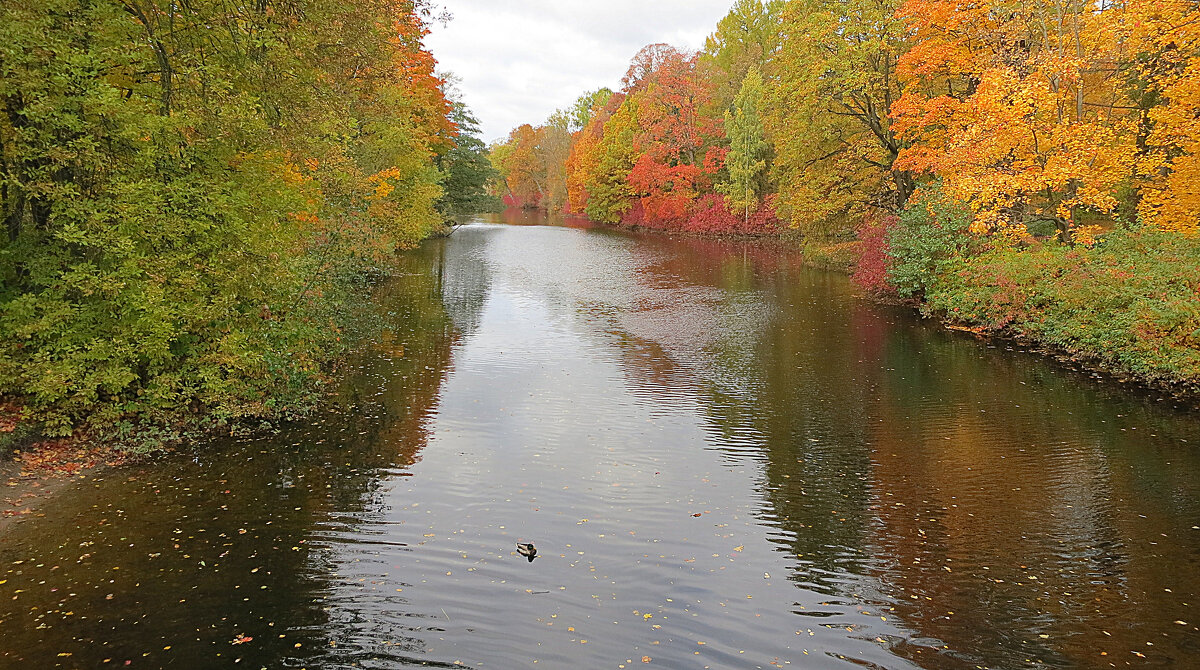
x: 193, y: 192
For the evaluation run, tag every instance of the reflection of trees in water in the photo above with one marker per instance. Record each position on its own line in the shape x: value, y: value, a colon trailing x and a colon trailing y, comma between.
x: 391, y: 400
x: 893, y: 451
x: 516, y: 216
x: 1006, y: 496
x: 168, y: 562
x: 816, y: 407
x: 764, y: 346
x: 463, y: 277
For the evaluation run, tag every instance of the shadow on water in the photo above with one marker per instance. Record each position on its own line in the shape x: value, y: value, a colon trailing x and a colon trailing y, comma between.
x: 724, y: 458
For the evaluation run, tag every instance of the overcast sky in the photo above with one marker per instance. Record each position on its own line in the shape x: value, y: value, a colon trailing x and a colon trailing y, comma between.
x: 519, y: 60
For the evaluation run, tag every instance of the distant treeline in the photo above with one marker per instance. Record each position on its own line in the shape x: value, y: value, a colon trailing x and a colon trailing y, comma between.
x: 1028, y: 167
x: 192, y: 193
x: 1058, y: 114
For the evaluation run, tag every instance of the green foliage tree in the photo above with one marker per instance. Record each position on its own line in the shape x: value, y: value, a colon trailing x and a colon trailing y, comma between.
x: 586, y: 107
x: 190, y: 193
x: 468, y: 169
x: 610, y: 194
x: 930, y: 239
x: 746, y: 161
x: 747, y: 38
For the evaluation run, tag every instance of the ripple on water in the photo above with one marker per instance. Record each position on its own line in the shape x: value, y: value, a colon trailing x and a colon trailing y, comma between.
x: 724, y: 460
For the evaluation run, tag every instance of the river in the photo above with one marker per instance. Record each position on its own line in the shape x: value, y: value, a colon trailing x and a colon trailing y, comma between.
x: 724, y: 459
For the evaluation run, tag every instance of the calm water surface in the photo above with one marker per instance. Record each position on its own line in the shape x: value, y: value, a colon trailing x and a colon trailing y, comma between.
x: 725, y: 460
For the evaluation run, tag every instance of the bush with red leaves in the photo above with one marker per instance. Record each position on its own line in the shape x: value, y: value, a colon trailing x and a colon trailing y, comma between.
x: 871, y: 269
x: 710, y: 215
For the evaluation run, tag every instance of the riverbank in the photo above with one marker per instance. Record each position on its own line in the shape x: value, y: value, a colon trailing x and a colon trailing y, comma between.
x: 45, y: 468
x: 1126, y: 303
x: 1126, y: 306
x: 399, y: 312
x: 1129, y: 305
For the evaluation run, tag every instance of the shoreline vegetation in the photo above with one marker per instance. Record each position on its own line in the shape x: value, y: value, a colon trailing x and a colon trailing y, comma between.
x: 1026, y: 172
x: 198, y: 201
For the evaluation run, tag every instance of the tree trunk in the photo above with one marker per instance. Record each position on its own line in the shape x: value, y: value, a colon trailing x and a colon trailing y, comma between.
x: 905, y: 187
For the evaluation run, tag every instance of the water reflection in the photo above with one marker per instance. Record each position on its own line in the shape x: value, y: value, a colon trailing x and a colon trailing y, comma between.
x: 724, y: 458
x: 228, y: 554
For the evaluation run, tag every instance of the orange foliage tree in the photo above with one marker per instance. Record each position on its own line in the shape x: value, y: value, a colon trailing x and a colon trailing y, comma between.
x: 1018, y: 108
x: 669, y: 173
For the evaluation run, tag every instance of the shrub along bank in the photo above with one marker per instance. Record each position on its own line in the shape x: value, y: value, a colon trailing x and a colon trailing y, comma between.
x: 1128, y: 301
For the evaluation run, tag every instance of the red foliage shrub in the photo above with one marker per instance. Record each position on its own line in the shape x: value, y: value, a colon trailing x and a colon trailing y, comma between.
x: 710, y: 215
x: 636, y: 216
x: 871, y: 269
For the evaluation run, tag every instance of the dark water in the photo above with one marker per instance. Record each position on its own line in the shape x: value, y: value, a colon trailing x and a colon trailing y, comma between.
x: 724, y: 459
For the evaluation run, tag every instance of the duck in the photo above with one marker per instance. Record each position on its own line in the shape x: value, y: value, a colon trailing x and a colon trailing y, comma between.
x: 527, y: 550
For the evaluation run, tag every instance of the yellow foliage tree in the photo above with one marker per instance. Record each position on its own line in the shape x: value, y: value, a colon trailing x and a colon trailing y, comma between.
x: 1165, y: 36
x: 826, y: 112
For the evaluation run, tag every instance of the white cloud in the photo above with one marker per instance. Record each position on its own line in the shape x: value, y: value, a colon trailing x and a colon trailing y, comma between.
x: 519, y: 61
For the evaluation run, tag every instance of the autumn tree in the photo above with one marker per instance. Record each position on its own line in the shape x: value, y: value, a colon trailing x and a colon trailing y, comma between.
x: 1019, y: 109
x: 522, y: 166
x: 553, y: 149
x: 746, y: 160
x: 610, y: 194
x: 827, y: 112
x: 189, y: 190
x: 747, y: 38
x: 583, y: 162
x: 1163, y: 49
x: 647, y: 63
x: 671, y: 139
